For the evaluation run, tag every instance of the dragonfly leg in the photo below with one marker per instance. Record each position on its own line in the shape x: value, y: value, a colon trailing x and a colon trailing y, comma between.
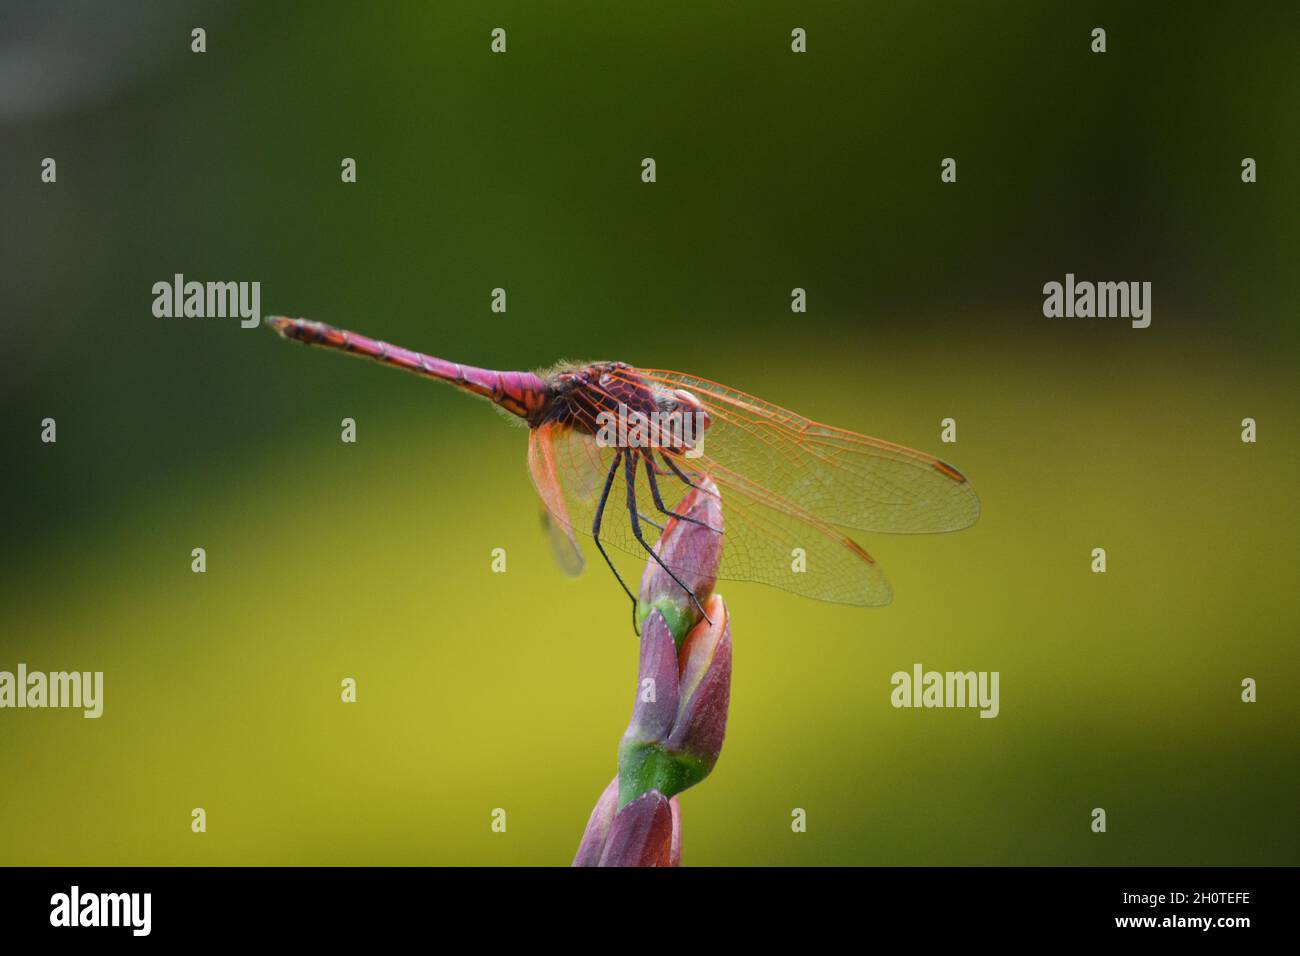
x: 678, y: 472
x: 652, y: 522
x: 652, y: 465
x: 659, y: 501
x: 595, y: 531
x: 629, y: 470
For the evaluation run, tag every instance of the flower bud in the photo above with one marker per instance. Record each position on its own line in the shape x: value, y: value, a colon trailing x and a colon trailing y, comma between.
x: 704, y: 689
x: 647, y: 832
x: 642, y: 833
x: 655, y: 709
x: 593, y: 838
x: 679, y: 717
x: 673, y: 741
x: 693, y: 550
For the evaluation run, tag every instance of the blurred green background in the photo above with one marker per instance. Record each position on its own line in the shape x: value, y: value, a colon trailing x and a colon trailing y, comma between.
x: 775, y: 170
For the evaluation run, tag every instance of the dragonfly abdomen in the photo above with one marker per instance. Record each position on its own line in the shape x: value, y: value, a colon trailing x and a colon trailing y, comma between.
x: 521, y: 393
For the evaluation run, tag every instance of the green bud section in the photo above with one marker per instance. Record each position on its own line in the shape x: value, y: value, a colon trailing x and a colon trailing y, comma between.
x: 644, y: 766
x: 680, y: 616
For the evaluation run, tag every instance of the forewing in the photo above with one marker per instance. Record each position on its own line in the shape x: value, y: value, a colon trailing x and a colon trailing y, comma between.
x: 839, y: 476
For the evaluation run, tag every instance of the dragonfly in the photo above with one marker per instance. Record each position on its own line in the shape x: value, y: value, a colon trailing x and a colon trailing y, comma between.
x: 614, y: 451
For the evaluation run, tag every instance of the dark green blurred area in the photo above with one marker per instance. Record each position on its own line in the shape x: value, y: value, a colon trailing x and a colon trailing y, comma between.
x: 522, y: 171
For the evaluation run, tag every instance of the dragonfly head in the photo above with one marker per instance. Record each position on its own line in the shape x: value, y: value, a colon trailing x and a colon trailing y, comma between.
x: 685, y: 419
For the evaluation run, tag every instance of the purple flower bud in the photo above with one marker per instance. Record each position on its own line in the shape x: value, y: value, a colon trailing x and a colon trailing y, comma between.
x: 641, y: 834
x: 655, y: 708
x: 674, y: 742
x: 647, y: 832
x: 693, y: 550
x: 704, y: 688
x: 593, y: 838
x: 679, y: 717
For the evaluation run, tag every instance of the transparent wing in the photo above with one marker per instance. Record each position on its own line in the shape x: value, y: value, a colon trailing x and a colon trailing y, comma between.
x: 566, y: 551
x: 839, y: 476
x: 766, y: 539
x: 555, y: 522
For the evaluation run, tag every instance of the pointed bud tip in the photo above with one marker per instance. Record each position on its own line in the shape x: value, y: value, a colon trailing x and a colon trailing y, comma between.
x: 693, y: 550
x: 641, y: 834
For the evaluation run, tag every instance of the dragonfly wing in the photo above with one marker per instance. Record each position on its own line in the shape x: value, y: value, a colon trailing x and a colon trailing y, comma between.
x: 567, y: 554
x: 767, y: 540
x: 839, y: 476
x: 559, y: 532
x: 771, y: 542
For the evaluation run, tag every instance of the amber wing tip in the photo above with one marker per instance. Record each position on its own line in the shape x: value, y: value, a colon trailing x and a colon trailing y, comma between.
x: 950, y: 471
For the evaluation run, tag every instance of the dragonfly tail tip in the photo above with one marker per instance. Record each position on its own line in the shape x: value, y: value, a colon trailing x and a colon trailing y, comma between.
x: 279, y: 324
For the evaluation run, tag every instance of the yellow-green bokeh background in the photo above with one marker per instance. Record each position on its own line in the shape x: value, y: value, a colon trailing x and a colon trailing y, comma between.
x: 480, y: 690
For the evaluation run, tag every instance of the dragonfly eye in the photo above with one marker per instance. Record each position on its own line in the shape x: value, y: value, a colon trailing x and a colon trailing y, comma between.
x: 688, y: 419
x: 691, y: 405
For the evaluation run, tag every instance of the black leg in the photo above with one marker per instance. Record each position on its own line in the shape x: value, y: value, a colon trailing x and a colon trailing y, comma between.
x: 595, y: 530
x: 652, y: 523
x: 652, y: 465
x: 659, y: 501
x: 678, y: 472
x: 629, y: 470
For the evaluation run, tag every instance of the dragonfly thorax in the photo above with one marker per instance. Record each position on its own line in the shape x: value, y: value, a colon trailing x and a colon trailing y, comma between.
x: 609, y: 401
